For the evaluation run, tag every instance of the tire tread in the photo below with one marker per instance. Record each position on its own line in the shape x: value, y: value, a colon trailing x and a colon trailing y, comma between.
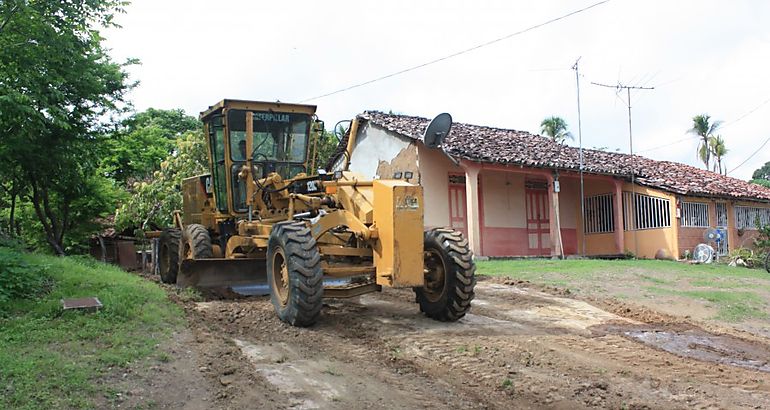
x: 461, y: 281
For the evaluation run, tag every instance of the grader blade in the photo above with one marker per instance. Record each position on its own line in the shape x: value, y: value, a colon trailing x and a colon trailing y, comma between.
x: 247, y: 274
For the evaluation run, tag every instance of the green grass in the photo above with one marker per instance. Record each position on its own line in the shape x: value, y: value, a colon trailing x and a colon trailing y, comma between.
x: 54, y: 359
x: 733, y: 306
x: 589, y: 268
x: 738, y: 293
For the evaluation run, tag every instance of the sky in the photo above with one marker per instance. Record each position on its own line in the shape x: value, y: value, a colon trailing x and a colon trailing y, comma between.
x: 700, y: 56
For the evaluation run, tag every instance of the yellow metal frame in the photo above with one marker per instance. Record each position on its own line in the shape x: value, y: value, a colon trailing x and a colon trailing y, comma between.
x: 364, y: 229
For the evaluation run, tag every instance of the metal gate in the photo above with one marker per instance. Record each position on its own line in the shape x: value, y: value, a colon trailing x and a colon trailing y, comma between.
x: 723, y: 247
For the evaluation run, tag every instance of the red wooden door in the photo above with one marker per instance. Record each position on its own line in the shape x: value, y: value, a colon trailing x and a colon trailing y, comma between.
x: 458, y: 215
x: 538, y: 224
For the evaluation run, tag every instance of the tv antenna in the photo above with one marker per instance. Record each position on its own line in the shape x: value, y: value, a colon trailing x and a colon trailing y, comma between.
x: 619, y: 88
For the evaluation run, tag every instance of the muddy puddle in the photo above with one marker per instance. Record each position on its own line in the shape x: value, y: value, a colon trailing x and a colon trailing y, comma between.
x: 701, y: 345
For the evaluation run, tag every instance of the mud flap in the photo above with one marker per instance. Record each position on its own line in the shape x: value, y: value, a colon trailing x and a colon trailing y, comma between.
x: 247, y: 274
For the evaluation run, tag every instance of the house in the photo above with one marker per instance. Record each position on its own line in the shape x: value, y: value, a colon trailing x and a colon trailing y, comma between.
x: 513, y: 193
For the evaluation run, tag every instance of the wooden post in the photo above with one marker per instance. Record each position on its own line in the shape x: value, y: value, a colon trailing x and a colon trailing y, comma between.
x: 472, y: 206
x: 619, y: 233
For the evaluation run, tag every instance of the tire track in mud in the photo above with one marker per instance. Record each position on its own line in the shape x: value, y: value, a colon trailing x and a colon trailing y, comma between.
x: 573, y: 347
x: 337, y: 364
x: 667, y: 376
x: 518, y: 348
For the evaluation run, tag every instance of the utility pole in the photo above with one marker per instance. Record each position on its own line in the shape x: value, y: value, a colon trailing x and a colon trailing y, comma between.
x: 580, y: 156
x: 628, y: 89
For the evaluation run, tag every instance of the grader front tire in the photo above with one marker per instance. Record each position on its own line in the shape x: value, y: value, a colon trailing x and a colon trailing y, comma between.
x: 294, y: 273
x: 197, y: 243
x: 169, y: 255
x: 449, y: 276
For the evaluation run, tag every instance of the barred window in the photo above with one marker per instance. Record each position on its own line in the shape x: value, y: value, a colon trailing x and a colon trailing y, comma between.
x: 721, y: 214
x: 600, y: 214
x: 645, y: 212
x: 695, y: 214
x: 751, y: 217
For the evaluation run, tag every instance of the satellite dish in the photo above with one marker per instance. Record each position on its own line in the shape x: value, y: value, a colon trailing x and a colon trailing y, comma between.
x: 703, y: 253
x: 437, y: 130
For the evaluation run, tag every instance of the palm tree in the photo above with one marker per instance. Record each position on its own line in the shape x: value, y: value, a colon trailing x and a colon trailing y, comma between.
x: 555, y: 128
x: 702, y: 128
x: 719, y: 150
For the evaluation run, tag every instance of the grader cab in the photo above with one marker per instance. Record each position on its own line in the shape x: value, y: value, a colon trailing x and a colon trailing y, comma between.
x: 261, y: 217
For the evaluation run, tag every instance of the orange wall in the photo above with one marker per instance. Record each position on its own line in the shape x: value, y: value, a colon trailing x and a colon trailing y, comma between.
x: 597, y: 243
x: 652, y: 240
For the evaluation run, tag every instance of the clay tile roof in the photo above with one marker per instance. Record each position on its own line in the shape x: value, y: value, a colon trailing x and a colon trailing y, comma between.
x: 504, y: 146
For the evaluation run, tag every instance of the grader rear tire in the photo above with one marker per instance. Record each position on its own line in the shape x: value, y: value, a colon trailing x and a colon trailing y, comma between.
x: 169, y: 254
x: 196, y: 243
x: 294, y: 273
x: 449, y: 276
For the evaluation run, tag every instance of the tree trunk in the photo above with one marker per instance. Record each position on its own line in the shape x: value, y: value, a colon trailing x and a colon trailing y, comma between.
x: 54, y: 234
x: 11, y: 224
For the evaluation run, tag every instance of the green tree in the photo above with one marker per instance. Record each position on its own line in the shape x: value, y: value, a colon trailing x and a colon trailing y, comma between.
x: 555, y: 128
x: 704, y: 128
x: 56, y: 84
x: 136, y: 149
x: 329, y: 146
x: 764, y: 182
x: 153, y: 201
x: 718, y: 150
x: 763, y: 172
x: 761, y: 175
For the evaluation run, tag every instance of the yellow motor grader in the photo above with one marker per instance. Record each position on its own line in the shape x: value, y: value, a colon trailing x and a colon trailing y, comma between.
x: 262, y: 217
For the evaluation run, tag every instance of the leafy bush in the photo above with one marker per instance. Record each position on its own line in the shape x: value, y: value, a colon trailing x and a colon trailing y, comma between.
x: 762, y: 242
x: 153, y: 202
x: 19, y: 279
x: 752, y: 259
x: 11, y: 242
x: 763, y: 239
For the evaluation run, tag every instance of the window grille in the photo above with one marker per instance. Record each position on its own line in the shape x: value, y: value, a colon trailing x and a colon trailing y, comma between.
x: 695, y: 214
x: 751, y: 217
x: 645, y: 212
x: 600, y: 214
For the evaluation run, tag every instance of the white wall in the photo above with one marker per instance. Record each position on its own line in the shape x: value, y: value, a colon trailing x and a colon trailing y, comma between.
x: 372, y: 146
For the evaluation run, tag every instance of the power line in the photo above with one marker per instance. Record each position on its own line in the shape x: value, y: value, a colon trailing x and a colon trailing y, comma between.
x: 751, y: 156
x: 752, y: 111
x: 628, y: 89
x: 669, y: 144
x: 447, y: 57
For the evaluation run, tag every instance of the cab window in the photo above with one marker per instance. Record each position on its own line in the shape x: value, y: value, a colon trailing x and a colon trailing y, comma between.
x: 278, y: 137
x: 217, y: 143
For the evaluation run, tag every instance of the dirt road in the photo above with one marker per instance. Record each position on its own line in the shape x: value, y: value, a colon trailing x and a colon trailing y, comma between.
x: 520, y: 347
